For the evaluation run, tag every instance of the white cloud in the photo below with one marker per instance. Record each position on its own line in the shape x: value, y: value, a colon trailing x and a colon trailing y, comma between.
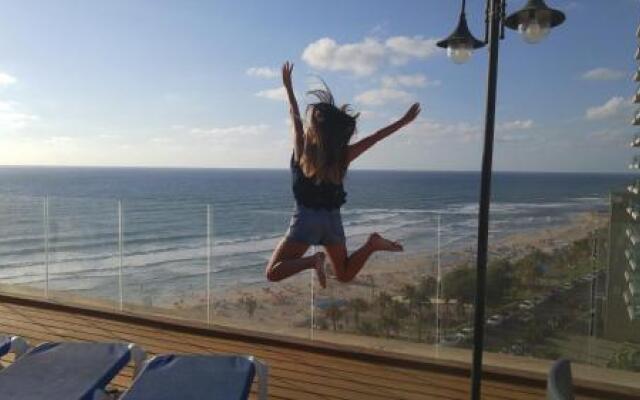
x: 513, y: 131
x: 367, y: 115
x: 6, y: 79
x: 279, y: 94
x: 109, y: 136
x: 365, y: 57
x: 515, y: 125
x: 360, y: 58
x: 12, y: 117
x: 572, y: 5
x: 466, y: 132
x: 263, y: 72
x: 603, y: 74
x: 403, y: 48
x: 231, y: 132
x: 432, y: 130
x: 162, y: 140
x: 609, y: 109
x: 416, y: 80
x: 59, y: 140
x: 377, y: 97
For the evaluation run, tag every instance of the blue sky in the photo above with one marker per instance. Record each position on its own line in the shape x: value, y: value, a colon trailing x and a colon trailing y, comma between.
x: 194, y: 83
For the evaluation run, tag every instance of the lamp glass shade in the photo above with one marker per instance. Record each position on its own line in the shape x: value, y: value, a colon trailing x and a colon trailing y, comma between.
x: 459, y: 52
x: 534, y: 31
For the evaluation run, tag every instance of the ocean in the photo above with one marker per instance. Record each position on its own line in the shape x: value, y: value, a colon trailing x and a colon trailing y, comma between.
x: 164, y: 220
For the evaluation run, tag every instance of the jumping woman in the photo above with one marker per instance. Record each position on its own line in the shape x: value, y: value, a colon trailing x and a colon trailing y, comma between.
x: 321, y: 156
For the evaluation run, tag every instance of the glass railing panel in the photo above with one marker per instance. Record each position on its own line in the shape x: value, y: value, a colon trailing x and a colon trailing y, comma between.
x: 618, y: 312
x: 549, y: 284
x: 22, y: 245
x: 545, y: 311
x: 242, y: 297
x: 456, y: 291
x: 81, y: 249
x: 390, y: 303
x: 165, y: 257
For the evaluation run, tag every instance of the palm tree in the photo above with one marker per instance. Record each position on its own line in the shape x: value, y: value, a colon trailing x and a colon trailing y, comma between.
x: 250, y: 304
x: 358, y: 305
x: 335, y: 314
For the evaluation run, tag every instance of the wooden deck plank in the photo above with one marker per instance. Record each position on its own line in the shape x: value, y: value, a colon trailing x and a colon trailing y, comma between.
x: 294, y: 373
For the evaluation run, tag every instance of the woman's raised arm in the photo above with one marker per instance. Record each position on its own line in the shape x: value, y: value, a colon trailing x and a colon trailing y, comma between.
x: 356, y: 149
x: 294, y: 112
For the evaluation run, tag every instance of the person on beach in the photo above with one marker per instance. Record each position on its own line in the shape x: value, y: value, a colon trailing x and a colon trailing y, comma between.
x: 321, y: 156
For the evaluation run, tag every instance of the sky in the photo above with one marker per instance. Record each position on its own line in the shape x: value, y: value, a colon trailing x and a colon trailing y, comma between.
x: 197, y: 83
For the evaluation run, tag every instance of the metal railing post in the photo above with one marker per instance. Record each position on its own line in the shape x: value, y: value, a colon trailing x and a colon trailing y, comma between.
x: 438, y: 285
x: 312, y: 302
x: 120, y: 255
x: 209, y: 259
x: 45, y: 227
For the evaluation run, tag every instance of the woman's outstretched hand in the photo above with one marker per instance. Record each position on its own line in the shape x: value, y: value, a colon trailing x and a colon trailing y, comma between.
x: 411, y: 114
x: 287, y: 69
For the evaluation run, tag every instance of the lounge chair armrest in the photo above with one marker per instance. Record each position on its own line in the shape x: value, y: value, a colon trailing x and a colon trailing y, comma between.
x: 137, y: 356
x: 262, y: 370
x: 18, y: 346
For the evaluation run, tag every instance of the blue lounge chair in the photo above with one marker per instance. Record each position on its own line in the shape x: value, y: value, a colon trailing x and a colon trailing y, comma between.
x: 198, y: 377
x: 560, y: 382
x: 66, y: 371
x: 12, y: 344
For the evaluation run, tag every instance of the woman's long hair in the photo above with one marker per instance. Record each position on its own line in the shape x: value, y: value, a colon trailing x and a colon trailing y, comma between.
x: 327, y: 135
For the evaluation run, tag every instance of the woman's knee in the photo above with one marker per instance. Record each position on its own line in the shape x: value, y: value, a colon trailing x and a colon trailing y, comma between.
x: 343, y: 278
x: 269, y: 273
x: 341, y: 274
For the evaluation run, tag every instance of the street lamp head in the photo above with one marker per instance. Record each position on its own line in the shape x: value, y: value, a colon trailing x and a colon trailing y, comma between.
x: 534, y: 21
x: 461, y: 43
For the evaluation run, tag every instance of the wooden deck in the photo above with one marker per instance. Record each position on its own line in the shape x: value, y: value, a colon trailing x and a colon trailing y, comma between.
x: 298, y: 370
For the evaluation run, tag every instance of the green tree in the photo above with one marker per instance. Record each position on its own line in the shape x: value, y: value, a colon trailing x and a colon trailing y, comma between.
x: 628, y: 358
x: 250, y: 304
x: 531, y: 268
x: 358, y: 305
x: 500, y: 282
x: 334, y: 313
x: 387, y: 320
x: 367, y: 328
x: 419, y: 299
x: 459, y: 284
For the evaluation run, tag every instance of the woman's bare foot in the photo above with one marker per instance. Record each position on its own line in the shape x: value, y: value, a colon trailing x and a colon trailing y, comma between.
x: 318, y: 265
x: 381, y: 244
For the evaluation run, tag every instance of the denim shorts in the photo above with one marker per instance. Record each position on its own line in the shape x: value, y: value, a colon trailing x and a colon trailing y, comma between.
x: 316, y: 226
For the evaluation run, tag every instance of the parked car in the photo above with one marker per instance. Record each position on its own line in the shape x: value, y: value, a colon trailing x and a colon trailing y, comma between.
x: 525, y: 317
x: 467, y: 332
x: 454, y: 339
x: 495, y: 320
x: 526, y: 305
x: 538, y: 300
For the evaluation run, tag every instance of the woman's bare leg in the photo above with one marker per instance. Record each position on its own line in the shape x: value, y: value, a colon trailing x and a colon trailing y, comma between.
x: 347, y: 267
x: 287, y: 260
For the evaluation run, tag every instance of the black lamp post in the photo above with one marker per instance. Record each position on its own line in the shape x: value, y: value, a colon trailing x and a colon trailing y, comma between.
x: 534, y: 22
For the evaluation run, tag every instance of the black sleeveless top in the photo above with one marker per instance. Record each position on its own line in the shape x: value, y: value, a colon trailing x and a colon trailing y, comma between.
x: 310, y: 194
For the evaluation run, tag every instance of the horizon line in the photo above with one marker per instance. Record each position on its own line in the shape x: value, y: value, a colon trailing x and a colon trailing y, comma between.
x: 285, y: 169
